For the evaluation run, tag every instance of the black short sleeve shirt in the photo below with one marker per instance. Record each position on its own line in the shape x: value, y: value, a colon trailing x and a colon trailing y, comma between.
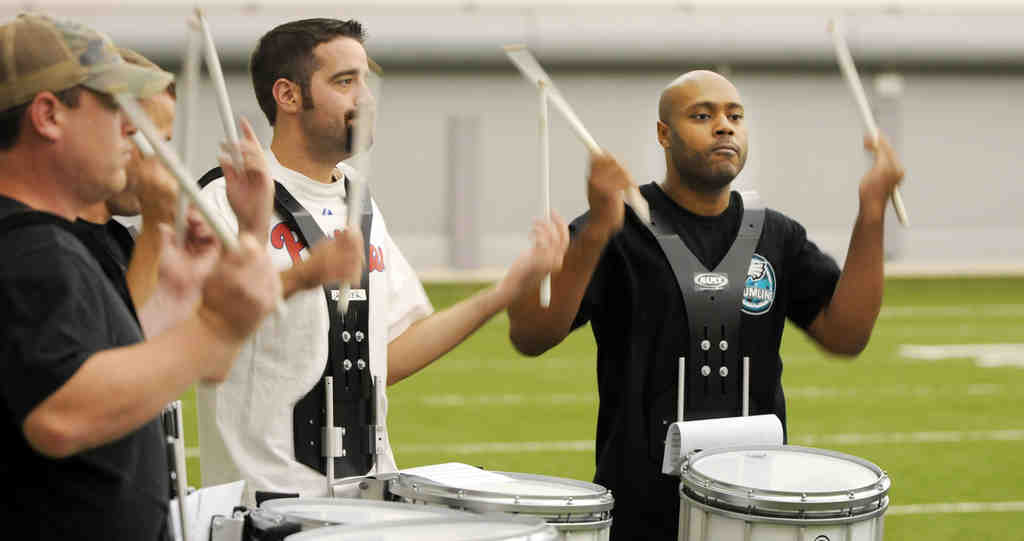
x: 58, y: 308
x: 640, y: 325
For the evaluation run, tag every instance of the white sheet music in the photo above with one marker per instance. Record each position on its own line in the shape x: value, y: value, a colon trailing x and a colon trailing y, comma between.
x: 688, y: 436
x: 458, y: 475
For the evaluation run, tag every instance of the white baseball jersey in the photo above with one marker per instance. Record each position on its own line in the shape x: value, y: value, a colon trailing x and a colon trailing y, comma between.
x: 245, y: 423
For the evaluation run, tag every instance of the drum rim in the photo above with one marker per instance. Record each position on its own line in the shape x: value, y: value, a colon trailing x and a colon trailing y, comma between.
x: 788, y: 521
x: 537, y: 526
x: 440, y: 512
x: 416, y: 488
x: 863, y: 499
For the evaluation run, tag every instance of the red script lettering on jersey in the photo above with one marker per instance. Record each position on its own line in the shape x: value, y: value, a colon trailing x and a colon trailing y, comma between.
x: 281, y: 236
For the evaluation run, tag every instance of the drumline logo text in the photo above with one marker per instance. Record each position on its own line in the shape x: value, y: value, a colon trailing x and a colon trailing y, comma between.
x: 759, y: 290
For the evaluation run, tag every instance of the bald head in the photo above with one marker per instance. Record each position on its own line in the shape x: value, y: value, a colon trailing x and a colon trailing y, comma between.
x: 701, y: 128
x: 687, y: 87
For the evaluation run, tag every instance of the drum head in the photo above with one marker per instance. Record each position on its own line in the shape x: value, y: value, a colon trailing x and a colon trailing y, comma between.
x: 785, y: 480
x: 789, y: 470
x: 347, y: 511
x: 469, y: 528
x: 465, y: 487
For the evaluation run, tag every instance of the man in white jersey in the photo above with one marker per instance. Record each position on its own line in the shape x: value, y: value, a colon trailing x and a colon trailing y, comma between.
x: 309, y: 78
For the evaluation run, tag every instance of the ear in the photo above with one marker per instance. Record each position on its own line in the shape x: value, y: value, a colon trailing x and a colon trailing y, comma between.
x: 664, y: 135
x: 46, y: 116
x: 288, y: 96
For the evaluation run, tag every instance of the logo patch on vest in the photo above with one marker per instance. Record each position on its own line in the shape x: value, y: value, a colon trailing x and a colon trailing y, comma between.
x: 710, y: 281
x: 759, y: 291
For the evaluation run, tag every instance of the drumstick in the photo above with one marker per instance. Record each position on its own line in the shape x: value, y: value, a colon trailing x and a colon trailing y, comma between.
x: 362, y: 130
x: 545, y: 182
x: 188, y: 93
x: 130, y: 106
x: 143, y: 145
x: 849, y: 70
x: 141, y: 120
x: 533, y: 72
x: 227, y: 118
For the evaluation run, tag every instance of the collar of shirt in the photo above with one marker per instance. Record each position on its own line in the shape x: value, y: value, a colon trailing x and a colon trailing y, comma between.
x: 295, y: 180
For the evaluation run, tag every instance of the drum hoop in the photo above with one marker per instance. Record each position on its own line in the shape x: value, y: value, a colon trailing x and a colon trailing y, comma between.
x: 415, y: 488
x: 789, y: 521
x: 582, y: 526
x: 536, y: 527
x: 270, y: 505
x: 739, y: 496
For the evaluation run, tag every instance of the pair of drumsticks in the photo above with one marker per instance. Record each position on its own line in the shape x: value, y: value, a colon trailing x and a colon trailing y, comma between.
x: 549, y: 94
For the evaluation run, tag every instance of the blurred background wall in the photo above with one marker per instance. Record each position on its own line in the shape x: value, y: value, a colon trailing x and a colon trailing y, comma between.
x: 457, y: 153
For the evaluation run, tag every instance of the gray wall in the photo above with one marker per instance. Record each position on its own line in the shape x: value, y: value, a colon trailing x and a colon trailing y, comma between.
x: 961, y: 146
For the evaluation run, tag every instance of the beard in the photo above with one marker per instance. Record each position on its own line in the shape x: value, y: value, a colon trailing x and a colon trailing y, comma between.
x: 699, y: 171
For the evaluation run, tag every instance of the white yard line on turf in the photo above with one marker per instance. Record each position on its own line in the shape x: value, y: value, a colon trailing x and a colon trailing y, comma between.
x: 957, y: 507
x: 879, y: 438
x: 458, y: 400
x: 954, y: 310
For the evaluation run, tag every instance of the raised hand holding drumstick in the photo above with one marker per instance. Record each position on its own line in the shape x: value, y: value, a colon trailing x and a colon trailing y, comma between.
x: 849, y: 70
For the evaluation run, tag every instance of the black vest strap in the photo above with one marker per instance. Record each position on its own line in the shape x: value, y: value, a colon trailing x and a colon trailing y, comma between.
x: 713, y: 300
x: 348, y: 361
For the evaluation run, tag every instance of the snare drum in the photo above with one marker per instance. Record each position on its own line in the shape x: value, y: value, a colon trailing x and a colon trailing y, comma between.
x: 469, y: 527
x: 781, y: 493
x: 578, y: 510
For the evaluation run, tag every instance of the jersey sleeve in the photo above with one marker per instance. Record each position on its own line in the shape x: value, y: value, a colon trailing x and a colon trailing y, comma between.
x: 407, y: 300
x: 53, y: 301
x: 813, y: 276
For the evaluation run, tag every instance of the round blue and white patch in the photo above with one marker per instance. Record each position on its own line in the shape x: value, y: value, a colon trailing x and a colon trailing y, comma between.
x: 759, y: 291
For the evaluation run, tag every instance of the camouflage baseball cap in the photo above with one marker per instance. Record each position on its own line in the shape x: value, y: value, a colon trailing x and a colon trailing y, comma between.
x: 39, y: 53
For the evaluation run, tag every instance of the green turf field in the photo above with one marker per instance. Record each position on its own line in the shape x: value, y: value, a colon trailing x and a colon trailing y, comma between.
x: 947, y: 425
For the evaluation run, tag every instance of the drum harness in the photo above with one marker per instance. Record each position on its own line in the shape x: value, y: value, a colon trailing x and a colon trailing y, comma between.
x: 712, y: 300
x: 347, y: 388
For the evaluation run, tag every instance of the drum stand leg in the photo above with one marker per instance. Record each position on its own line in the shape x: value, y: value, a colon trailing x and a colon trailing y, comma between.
x: 801, y: 534
x: 847, y: 532
x: 748, y: 531
x: 879, y: 528
x: 704, y: 526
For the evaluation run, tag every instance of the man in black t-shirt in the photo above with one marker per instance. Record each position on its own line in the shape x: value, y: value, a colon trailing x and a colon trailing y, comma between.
x: 711, y: 280
x: 84, y: 458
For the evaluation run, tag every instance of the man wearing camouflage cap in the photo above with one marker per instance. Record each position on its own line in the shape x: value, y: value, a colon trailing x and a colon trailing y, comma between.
x: 81, y: 393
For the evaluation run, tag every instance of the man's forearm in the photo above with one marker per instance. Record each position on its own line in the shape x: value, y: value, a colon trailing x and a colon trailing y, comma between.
x: 535, y: 329
x: 848, y: 320
x: 430, y: 338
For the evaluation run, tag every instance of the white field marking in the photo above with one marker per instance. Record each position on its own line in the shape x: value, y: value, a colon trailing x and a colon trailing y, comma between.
x: 472, y: 448
x: 950, y: 311
x: 456, y: 400
x: 958, y: 507
x: 940, y: 436
x: 478, y: 448
x: 984, y: 355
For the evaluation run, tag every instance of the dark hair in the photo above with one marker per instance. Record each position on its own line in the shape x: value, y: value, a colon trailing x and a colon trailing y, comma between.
x: 287, y: 52
x: 10, y: 120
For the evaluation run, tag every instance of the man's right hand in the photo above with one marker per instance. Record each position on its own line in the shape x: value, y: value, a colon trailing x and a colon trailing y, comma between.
x: 242, y: 290
x: 605, y: 187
